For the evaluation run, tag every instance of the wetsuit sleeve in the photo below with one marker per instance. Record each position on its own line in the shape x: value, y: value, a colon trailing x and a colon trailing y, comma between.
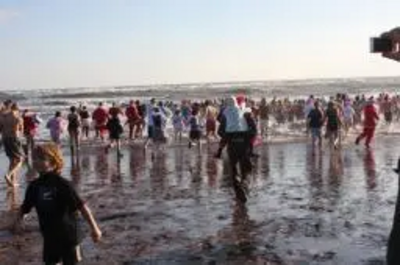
x: 29, y: 200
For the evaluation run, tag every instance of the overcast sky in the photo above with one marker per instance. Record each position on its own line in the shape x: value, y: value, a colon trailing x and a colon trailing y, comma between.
x: 74, y: 43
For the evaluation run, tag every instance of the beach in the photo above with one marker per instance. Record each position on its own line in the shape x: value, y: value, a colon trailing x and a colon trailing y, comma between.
x: 177, y: 206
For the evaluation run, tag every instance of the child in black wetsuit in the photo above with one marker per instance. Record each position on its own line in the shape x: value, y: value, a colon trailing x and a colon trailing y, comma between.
x: 57, y: 205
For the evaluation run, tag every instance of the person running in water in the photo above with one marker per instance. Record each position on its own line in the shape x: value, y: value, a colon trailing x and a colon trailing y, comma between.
x: 12, y: 127
x: 159, y: 122
x: 56, y: 126
x: 348, y: 116
x: 133, y: 119
x: 115, y: 130
x: 100, y: 117
x: 85, y: 119
x: 236, y: 135
x: 74, y: 125
x: 211, y: 120
x: 315, y: 121
x: 387, y: 109
x: 333, y: 123
x: 371, y: 119
x: 263, y: 117
x: 177, y: 123
x: 195, y: 129
x: 30, y: 128
x: 150, y: 124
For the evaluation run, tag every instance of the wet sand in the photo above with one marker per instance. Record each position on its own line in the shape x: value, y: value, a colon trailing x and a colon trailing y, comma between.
x: 177, y: 207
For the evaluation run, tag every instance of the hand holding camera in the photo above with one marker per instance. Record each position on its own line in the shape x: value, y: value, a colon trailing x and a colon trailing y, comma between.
x: 388, y: 44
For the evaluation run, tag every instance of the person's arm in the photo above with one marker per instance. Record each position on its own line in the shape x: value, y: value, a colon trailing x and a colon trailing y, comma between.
x: 94, y: 227
x: 75, y: 203
x: 25, y: 208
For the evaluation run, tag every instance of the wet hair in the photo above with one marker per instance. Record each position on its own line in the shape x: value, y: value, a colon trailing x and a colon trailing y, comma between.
x: 72, y: 109
x: 52, y: 152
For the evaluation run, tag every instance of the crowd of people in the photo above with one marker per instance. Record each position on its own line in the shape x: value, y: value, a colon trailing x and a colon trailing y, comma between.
x: 238, y: 123
x: 156, y: 122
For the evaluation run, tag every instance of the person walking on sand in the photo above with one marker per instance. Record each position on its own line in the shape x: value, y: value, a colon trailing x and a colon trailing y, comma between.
x: 11, y: 127
x: 57, y: 205
x: 371, y: 119
x: 74, y: 125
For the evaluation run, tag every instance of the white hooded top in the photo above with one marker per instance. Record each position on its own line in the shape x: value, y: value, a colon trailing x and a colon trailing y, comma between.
x: 234, y: 115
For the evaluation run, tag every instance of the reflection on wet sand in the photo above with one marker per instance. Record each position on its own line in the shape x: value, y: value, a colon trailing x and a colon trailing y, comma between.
x: 314, y: 167
x: 158, y: 172
x: 101, y: 166
x: 212, y: 169
x: 137, y: 163
x: 335, y: 175
x: 370, y: 169
x: 304, y: 206
x: 75, y: 169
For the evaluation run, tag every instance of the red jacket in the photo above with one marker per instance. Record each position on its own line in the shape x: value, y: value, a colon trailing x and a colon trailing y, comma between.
x: 370, y: 116
x: 100, y: 115
x: 132, y: 113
